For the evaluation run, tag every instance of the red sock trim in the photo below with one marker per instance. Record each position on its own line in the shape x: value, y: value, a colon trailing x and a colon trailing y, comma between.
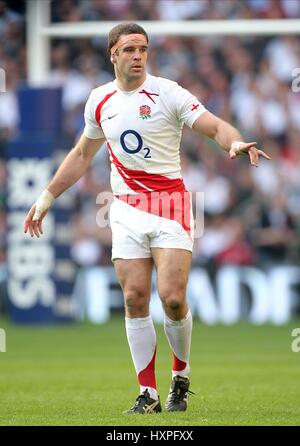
x: 178, y: 365
x: 147, y: 376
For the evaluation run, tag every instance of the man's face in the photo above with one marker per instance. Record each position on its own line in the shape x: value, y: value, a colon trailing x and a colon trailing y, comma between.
x: 130, y: 57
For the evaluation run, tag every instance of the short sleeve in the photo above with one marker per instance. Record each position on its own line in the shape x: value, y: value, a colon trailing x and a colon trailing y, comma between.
x: 92, y: 129
x: 188, y: 107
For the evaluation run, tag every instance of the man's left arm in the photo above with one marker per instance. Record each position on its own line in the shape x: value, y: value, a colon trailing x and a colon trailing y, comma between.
x: 228, y: 137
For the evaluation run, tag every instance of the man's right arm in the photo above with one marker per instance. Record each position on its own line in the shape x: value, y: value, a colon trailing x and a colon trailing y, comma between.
x: 74, y: 165
x: 71, y: 169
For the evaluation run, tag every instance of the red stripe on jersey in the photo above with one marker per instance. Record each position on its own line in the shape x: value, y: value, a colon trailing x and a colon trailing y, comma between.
x: 146, y: 377
x: 167, y: 197
x: 100, y: 105
x: 149, y: 181
x: 178, y: 365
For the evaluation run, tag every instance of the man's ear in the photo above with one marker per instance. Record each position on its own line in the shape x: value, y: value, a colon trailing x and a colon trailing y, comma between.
x: 113, y: 58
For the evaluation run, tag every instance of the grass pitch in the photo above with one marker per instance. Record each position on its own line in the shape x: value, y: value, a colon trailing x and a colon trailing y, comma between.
x: 83, y: 375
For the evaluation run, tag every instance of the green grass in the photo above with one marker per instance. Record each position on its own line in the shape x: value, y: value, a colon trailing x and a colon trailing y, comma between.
x: 83, y: 375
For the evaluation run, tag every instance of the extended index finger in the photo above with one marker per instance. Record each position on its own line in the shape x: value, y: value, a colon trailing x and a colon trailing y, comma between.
x: 263, y: 154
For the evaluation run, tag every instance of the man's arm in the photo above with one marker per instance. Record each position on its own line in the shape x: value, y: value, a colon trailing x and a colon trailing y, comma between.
x: 71, y: 169
x: 228, y: 137
x: 74, y: 165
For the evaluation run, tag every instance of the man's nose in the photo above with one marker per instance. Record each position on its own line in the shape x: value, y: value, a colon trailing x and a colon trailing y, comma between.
x: 137, y: 55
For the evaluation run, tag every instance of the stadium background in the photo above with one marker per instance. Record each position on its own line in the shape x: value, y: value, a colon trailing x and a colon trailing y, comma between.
x: 251, y: 215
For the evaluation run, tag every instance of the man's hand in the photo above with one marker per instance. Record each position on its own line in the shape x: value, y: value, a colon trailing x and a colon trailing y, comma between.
x: 242, y: 148
x: 34, y: 218
x: 223, y: 133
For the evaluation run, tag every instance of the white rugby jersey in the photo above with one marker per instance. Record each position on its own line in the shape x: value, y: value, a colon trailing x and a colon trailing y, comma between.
x: 143, y: 130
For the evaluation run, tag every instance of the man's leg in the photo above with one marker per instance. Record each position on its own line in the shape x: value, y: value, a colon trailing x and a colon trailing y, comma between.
x: 173, y: 266
x: 134, y: 276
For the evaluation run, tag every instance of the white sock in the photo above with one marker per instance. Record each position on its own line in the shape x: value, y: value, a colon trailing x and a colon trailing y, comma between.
x: 142, y: 342
x: 179, y: 335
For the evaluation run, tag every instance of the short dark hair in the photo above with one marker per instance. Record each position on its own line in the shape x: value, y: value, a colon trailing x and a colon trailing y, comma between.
x: 124, y: 29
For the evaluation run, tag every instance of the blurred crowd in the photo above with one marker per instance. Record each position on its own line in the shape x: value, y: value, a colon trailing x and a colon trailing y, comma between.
x: 251, y: 215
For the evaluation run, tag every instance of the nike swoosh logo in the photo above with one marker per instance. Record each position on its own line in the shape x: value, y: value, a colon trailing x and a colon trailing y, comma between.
x: 110, y: 117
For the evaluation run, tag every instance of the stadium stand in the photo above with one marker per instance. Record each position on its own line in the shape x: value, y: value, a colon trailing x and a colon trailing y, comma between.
x: 251, y: 215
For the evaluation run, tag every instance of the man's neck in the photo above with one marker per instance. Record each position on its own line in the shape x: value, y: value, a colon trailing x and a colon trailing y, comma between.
x: 132, y: 84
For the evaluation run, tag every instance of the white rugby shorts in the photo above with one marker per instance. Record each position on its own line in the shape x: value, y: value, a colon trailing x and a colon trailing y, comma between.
x: 135, y: 232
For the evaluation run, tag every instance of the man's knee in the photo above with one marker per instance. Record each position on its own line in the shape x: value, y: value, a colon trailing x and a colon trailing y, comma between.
x: 173, y: 300
x: 135, y: 299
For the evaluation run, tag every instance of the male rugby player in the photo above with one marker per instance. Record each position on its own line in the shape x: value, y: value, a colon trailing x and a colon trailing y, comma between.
x: 140, y: 117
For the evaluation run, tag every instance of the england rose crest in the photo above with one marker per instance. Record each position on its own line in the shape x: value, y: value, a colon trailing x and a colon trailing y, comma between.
x: 145, y: 112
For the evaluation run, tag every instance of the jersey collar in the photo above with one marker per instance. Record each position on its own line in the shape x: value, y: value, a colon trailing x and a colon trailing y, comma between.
x: 131, y: 91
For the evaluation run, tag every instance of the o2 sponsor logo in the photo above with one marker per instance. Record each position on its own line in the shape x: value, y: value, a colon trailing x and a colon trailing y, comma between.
x: 138, y: 143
